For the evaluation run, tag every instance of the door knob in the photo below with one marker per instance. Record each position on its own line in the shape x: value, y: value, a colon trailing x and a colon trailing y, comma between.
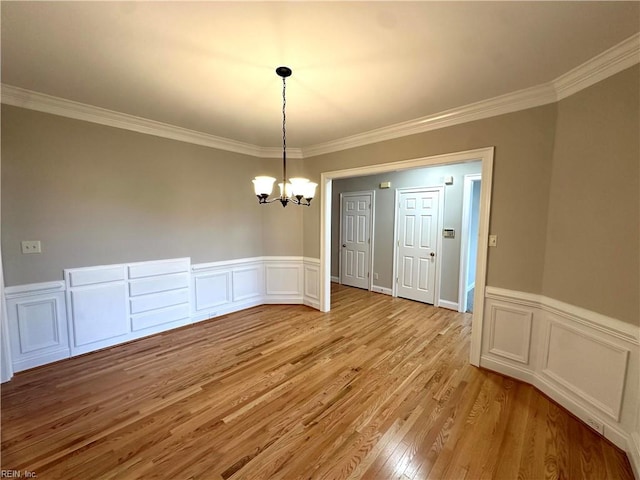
x: 344, y: 245
x: 432, y: 254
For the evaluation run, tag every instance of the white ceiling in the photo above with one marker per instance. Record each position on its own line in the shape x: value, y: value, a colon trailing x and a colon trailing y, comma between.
x: 357, y: 66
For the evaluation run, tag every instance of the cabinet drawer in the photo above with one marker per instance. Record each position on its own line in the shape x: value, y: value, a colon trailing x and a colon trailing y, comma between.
x: 159, y: 300
x: 158, y: 317
x: 158, y: 284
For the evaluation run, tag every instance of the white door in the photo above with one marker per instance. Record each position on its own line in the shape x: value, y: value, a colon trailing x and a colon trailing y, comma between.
x: 356, y: 239
x: 417, y: 227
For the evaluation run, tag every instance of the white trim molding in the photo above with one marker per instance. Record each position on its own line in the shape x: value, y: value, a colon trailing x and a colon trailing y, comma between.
x: 605, y: 324
x: 614, y: 60
x: 507, y: 103
x: 608, y: 63
x: 21, y: 97
x: 589, y: 363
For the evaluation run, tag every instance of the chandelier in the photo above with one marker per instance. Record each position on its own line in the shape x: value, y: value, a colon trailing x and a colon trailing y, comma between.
x: 299, y: 191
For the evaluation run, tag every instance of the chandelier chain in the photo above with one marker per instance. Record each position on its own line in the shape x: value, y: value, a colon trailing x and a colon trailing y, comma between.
x: 284, y: 127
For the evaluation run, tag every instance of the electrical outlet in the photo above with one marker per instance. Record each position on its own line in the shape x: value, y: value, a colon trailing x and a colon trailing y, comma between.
x: 597, y: 425
x: 31, y: 246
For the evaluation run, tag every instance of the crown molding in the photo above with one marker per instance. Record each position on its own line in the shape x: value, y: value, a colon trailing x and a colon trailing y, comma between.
x: 604, y: 65
x: 510, y: 102
x: 41, y: 102
x: 608, y: 63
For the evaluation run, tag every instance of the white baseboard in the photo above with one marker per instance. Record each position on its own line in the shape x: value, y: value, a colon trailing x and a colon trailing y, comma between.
x: 19, y: 365
x: 283, y: 300
x: 384, y: 290
x: 509, y: 369
x: 583, y: 360
x: 335, y: 279
x: 448, y: 305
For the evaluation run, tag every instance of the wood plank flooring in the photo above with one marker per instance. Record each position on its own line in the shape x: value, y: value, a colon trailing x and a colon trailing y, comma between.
x: 379, y: 388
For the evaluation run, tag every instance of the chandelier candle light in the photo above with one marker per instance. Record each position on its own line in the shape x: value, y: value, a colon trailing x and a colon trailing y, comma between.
x: 299, y: 191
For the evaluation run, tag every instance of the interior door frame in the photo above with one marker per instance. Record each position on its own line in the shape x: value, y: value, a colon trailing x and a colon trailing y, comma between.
x: 465, y: 239
x: 396, y: 207
x: 372, y: 195
x: 484, y: 155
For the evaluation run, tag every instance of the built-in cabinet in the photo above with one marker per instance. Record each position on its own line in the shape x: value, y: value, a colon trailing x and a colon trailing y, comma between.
x: 98, y: 307
x: 113, y: 304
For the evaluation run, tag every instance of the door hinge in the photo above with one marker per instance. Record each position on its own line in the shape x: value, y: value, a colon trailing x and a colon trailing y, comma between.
x: 368, y: 274
x: 396, y: 279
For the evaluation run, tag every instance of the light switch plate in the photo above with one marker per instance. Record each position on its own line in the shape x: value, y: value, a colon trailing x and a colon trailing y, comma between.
x: 31, y: 246
x: 493, y: 240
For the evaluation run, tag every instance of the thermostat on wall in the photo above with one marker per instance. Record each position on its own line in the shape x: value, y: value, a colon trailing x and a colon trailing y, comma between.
x: 448, y: 180
x: 449, y: 233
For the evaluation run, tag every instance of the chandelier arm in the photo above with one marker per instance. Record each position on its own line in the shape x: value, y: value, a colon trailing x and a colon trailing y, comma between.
x: 305, y: 202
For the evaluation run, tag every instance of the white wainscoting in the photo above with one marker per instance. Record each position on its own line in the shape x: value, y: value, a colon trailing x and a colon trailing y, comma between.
x: 37, y: 324
x: 102, y: 306
x: 224, y: 287
x: 311, y: 291
x: 219, y: 288
x: 587, y: 362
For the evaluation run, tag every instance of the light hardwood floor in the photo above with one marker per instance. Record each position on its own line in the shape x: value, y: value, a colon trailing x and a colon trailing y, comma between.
x: 380, y: 388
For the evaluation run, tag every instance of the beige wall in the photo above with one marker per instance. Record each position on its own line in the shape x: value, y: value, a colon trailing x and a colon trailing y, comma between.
x: 99, y: 195
x: 522, y: 172
x: 592, y: 253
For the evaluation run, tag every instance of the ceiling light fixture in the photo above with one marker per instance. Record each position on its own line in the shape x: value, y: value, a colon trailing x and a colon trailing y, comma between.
x: 299, y: 191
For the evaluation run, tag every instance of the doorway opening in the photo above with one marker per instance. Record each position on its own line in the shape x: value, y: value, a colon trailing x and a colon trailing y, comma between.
x: 469, y: 241
x: 484, y: 155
